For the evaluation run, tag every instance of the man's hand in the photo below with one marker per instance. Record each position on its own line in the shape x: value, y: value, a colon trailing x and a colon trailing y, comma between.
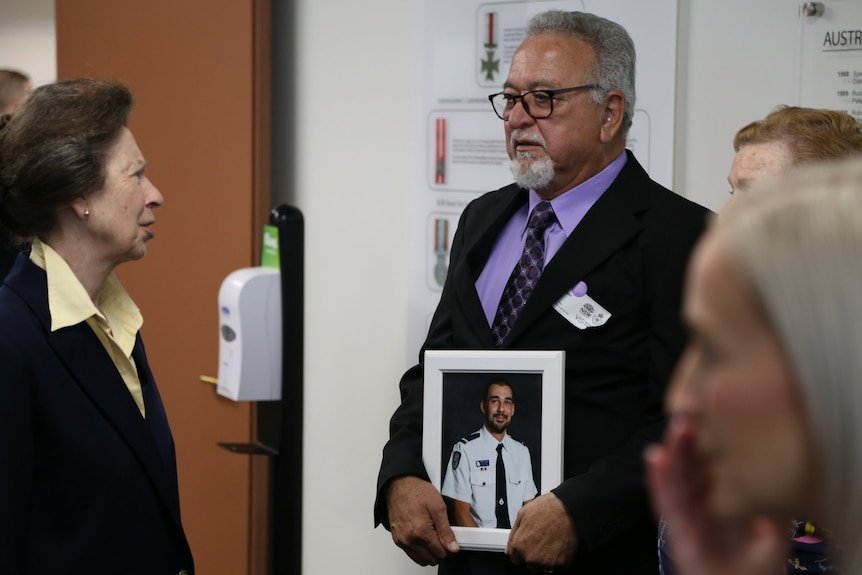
x: 418, y: 521
x: 543, y: 537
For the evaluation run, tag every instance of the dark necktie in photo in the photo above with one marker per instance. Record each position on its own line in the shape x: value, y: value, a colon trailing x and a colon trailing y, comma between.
x: 502, y: 506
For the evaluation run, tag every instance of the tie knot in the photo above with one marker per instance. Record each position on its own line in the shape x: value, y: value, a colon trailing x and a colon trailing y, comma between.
x: 499, y: 448
x: 542, y: 216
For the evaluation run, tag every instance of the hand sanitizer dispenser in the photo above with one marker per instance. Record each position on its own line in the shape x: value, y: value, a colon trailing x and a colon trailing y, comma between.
x: 250, y: 349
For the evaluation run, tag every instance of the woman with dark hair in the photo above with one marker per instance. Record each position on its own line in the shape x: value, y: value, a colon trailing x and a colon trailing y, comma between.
x: 88, y: 480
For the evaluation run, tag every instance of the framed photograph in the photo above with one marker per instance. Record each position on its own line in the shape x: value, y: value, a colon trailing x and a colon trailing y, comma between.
x: 493, y: 436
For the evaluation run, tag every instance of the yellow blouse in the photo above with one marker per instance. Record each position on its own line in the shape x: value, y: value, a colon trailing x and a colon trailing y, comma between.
x: 116, y: 321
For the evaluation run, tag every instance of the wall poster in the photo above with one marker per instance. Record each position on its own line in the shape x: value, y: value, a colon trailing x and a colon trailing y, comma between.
x: 460, y: 54
x: 830, y: 56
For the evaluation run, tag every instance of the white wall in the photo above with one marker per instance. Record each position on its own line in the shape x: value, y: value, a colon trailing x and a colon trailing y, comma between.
x: 737, y: 60
x: 28, y: 40
x: 350, y: 182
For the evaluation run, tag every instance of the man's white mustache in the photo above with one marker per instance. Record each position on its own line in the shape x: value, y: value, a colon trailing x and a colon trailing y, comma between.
x: 524, y: 136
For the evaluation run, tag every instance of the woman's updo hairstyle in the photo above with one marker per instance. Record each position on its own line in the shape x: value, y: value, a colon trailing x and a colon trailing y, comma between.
x: 53, y: 150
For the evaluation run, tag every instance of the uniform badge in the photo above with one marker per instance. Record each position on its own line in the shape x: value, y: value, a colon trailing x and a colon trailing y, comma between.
x: 456, y: 459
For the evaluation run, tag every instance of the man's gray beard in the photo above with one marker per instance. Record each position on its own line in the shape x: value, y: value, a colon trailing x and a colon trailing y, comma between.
x: 532, y: 174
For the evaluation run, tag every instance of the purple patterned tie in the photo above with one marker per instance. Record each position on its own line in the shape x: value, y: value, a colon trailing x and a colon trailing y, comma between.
x: 526, y: 273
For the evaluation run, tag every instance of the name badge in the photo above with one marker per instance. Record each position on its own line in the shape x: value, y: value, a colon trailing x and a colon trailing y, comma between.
x: 580, y: 309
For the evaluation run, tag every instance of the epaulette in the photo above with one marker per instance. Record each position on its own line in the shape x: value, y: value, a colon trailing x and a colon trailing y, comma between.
x: 471, y: 438
x: 518, y: 441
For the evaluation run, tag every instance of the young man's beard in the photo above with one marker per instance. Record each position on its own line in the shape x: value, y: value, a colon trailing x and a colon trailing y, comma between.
x: 497, y: 427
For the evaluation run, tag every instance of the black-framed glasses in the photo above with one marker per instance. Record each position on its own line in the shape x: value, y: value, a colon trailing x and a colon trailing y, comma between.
x: 537, y: 103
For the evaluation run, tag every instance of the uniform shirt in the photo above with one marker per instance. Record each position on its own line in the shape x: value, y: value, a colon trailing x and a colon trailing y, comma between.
x: 116, y: 322
x: 471, y: 475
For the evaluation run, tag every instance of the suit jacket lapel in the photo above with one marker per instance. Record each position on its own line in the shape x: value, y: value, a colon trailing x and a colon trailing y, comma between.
x: 157, y: 421
x: 606, y: 227
x: 477, y: 248
x: 81, y: 352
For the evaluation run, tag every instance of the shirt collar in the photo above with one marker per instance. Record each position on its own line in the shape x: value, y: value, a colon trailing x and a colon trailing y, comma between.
x: 68, y: 301
x: 486, y: 436
x: 571, y: 206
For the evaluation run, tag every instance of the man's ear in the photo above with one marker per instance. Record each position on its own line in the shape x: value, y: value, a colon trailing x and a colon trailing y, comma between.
x: 612, y: 116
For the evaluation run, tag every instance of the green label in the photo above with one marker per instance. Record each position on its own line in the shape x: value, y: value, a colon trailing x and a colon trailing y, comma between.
x: 269, y: 254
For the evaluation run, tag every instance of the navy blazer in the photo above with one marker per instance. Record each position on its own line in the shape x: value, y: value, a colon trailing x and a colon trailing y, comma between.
x: 631, y: 249
x: 7, y: 253
x: 87, y: 485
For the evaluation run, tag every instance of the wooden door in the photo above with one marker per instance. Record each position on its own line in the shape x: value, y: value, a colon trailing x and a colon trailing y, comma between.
x: 199, y: 71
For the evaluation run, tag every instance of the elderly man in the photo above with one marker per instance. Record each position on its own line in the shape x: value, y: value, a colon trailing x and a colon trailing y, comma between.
x: 583, y: 253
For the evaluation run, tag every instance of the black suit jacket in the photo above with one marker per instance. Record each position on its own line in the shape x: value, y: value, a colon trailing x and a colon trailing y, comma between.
x: 631, y: 250
x: 87, y: 485
x: 7, y: 253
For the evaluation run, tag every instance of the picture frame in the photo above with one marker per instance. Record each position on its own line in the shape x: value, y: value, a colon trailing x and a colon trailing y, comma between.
x: 455, y: 384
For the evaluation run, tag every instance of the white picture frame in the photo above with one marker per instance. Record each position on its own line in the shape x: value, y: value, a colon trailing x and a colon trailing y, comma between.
x: 455, y: 381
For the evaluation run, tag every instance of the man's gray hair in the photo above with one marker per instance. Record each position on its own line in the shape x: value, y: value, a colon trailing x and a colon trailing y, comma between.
x: 799, y: 240
x: 614, y: 48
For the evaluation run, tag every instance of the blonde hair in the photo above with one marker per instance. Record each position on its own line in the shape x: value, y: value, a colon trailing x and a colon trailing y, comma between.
x: 799, y: 239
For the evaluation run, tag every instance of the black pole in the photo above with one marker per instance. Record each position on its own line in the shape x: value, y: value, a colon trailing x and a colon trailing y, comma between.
x: 286, y: 542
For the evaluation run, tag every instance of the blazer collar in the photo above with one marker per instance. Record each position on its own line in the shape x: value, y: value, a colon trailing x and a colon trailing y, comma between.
x: 477, y: 249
